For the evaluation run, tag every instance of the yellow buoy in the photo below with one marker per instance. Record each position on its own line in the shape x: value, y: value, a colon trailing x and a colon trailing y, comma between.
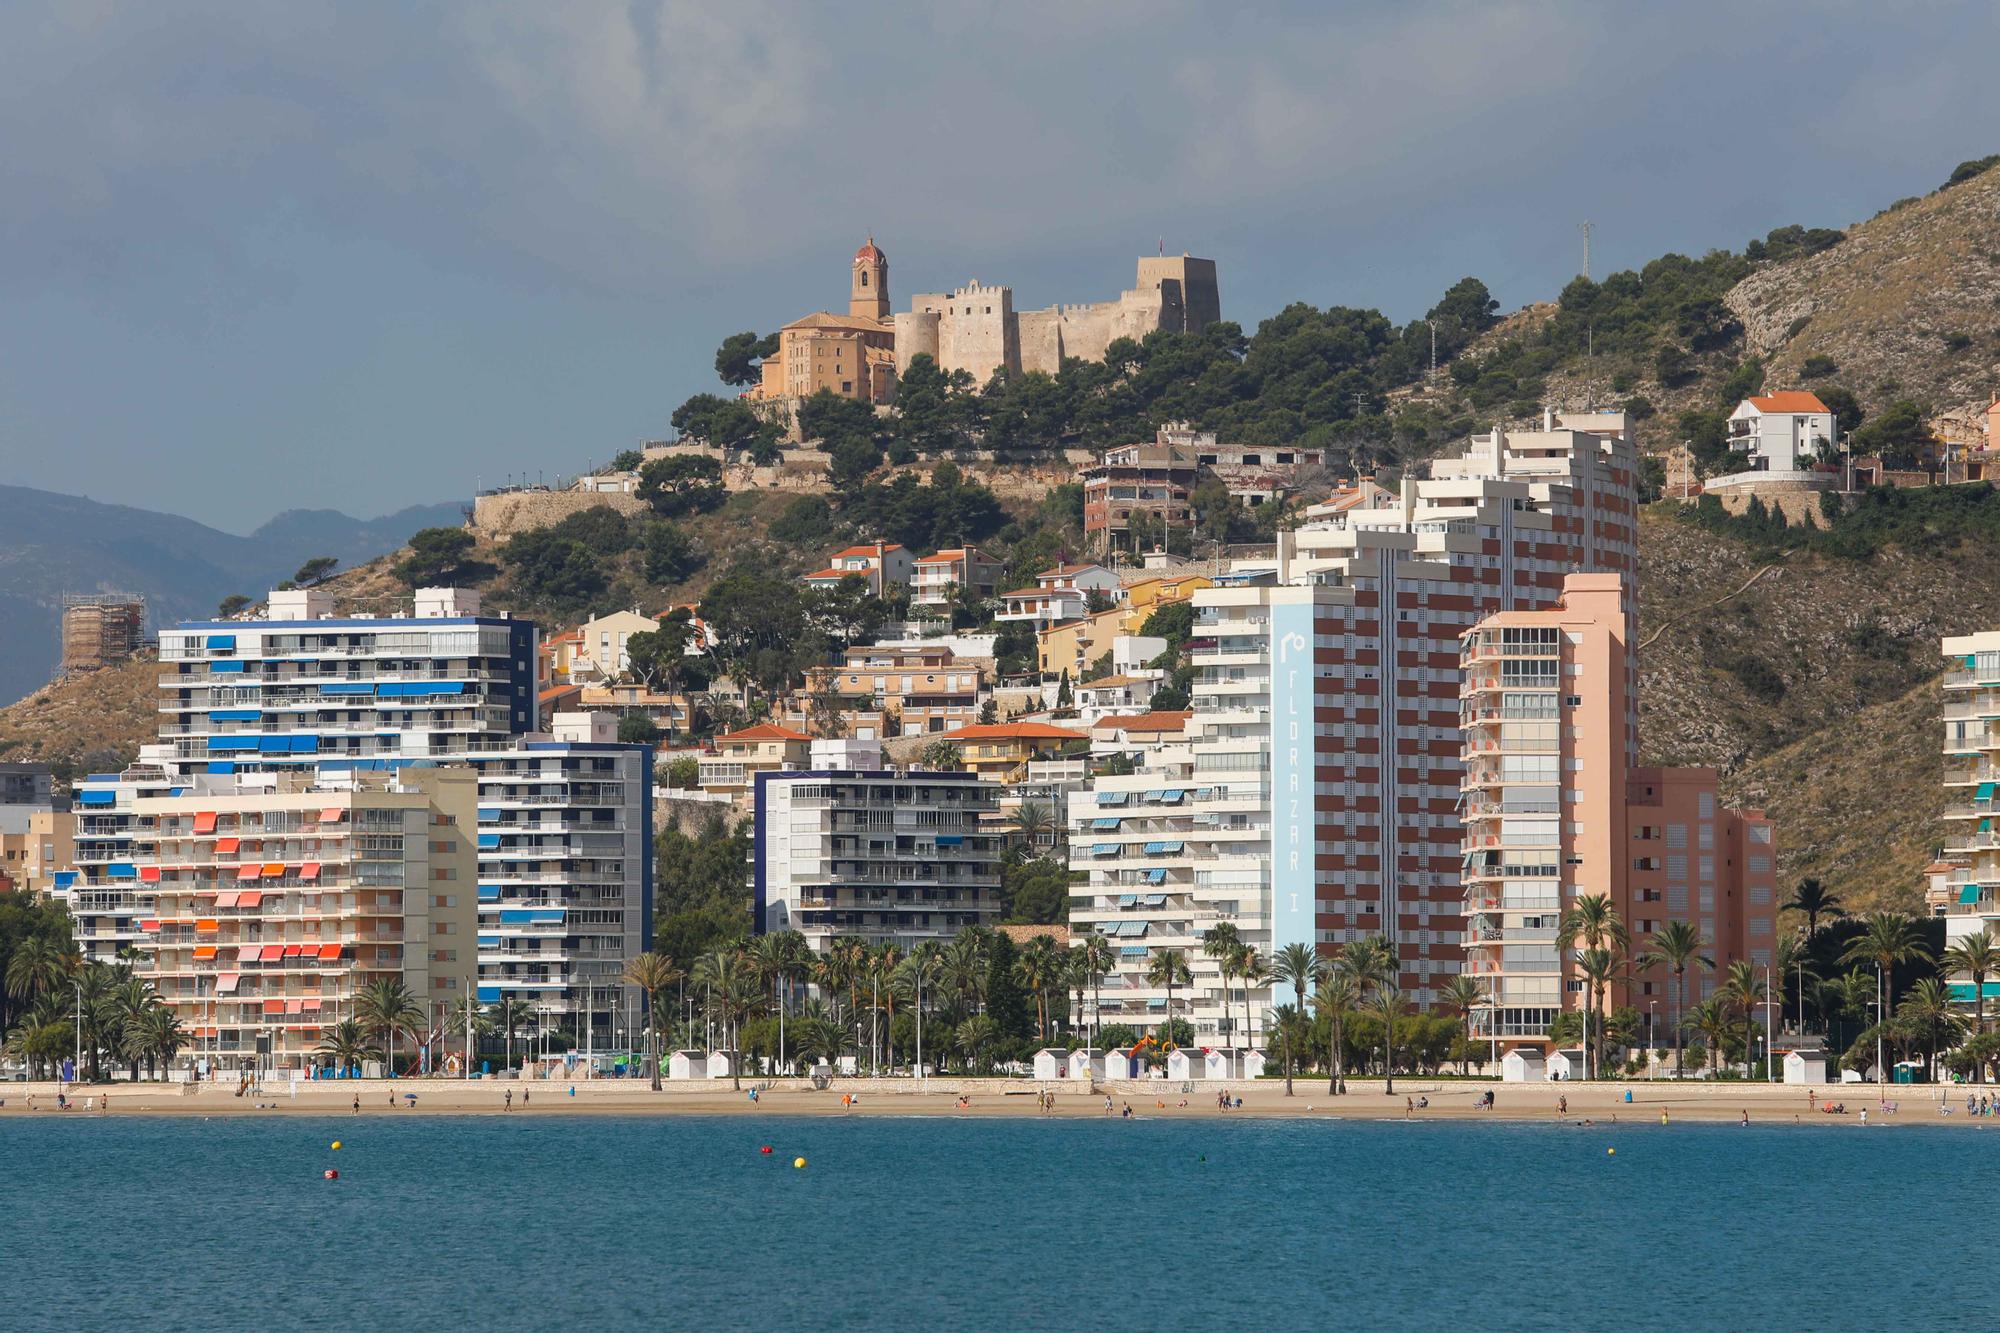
x: 799, y: 1163
x: 336, y: 1145
x: 1610, y: 1152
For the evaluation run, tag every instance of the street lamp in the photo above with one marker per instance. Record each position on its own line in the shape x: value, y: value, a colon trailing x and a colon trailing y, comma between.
x: 1652, y: 1040
x: 76, y: 1071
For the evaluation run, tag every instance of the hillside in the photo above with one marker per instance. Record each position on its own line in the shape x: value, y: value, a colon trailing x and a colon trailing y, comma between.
x: 91, y: 722
x: 51, y: 544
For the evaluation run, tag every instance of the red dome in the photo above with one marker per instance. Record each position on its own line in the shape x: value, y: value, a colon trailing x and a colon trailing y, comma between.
x: 869, y: 252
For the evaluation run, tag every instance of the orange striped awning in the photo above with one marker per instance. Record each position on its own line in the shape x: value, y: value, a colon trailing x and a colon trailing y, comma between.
x: 249, y: 872
x: 204, y: 951
x: 204, y: 822
x: 249, y: 899
x: 274, y: 1006
x: 205, y: 926
x: 333, y: 814
x: 329, y: 951
x: 273, y: 869
x: 227, y: 846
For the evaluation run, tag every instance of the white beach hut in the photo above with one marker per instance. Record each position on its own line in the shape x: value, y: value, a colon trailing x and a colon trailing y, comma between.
x: 1184, y: 1064
x: 1805, y: 1067
x: 1523, y: 1064
x: 724, y: 1064
x: 1051, y: 1062
x: 1085, y: 1063
x: 1117, y: 1065
x: 1565, y: 1066
x: 687, y: 1064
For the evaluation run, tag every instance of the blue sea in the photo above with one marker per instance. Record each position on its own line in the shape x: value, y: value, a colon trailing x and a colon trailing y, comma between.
x: 531, y: 1222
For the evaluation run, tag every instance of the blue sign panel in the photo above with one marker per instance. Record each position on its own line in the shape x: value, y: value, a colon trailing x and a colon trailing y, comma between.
x: 1292, y: 818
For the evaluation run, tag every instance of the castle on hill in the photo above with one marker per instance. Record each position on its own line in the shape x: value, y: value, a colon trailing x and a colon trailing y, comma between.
x: 974, y: 328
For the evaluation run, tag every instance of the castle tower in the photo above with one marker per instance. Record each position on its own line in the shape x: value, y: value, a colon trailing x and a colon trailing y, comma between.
x: 868, y: 297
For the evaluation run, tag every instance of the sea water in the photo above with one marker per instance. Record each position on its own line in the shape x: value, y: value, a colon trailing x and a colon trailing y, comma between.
x: 545, y: 1221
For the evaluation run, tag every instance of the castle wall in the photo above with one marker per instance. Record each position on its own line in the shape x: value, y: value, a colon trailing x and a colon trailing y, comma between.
x: 1200, y: 296
x: 917, y: 333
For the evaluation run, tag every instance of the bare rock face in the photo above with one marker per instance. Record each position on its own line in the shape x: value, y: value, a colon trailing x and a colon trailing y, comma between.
x: 1908, y: 306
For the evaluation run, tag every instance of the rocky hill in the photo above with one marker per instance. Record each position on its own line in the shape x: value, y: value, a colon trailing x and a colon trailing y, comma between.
x: 1907, y: 306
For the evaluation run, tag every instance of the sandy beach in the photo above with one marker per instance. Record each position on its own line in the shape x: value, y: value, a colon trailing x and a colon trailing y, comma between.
x: 1447, y: 1100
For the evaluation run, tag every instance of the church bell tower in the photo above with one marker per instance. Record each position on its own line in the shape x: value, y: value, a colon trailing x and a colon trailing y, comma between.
x: 868, y: 295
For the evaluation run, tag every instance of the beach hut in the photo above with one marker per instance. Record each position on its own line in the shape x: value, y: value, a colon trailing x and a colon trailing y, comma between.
x: 847, y: 1064
x: 1085, y: 1063
x: 1118, y: 1064
x: 1807, y: 1067
x: 1565, y: 1065
x: 1183, y: 1065
x: 1523, y: 1064
x: 725, y: 1064
x: 687, y: 1064
x: 1252, y: 1065
x: 1051, y: 1062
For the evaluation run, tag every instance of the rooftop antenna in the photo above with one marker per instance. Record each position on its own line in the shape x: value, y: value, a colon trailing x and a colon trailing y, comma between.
x: 1163, y: 245
x: 1585, y: 228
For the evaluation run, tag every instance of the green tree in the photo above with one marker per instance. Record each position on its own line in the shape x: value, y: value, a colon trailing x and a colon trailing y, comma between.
x: 438, y: 558
x: 1898, y: 435
x: 1886, y: 939
x: 1298, y: 966
x: 1677, y: 947
x: 635, y: 728
x: 806, y: 523
x: 507, y: 1015
x: 347, y: 1044
x: 1743, y: 990
x: 315, y: 571
x: 234, y: 604
x: 1929, y: 1013
x: 736, y: 361
x: 681, y: 484
x: 1976, y: 956
x: 1169, y: 969
x: 652, y: 973
x: 940, y: 756
x: 670, y: 556
x: 1813, y: 900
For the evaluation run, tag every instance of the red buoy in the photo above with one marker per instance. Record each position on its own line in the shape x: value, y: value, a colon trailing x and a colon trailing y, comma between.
x: 766, y: 1150
x: 331, y: 1174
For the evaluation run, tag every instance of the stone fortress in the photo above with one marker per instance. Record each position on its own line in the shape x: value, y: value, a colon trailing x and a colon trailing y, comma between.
x: 976, y: 328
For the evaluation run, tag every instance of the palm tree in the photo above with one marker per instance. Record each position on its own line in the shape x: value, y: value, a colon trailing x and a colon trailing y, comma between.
x: 1098, y: 958
x: 348, y: 1044
x: 164, y: 1036
x: 1711, y: 1018
x: 652, y: 972
x: 1743, y: 990
x: 974, y: 1039
x: 1168, y: 969
x: 385, y: 1007
x: 1388, y: 1003
x: 1599, y: 967
x: 1813, y: 899
x: 39, y: 965
x: 1929, y: 1010
x: 1888, y: 938
x: 1038, y: 966
x: 1679, y: 945
x: 1223, y: 943
x: 962, y: 969
x: 1338, y: 994
x: 1032, y: 822
x: 1460, y: 996
x: 1977, y: 956
x: 1298, y: 966
x: 129, y: 1002
x: 466, y: 1018
x: 1593, y: 920
x: 1252, y: 971
x: 722, y: 976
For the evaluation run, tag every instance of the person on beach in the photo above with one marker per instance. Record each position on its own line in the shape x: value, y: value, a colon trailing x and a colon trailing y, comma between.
x: 1409, y: 1107
x: 1746, y: 1117
x: 508, y: 1100
x: 357, y: 1103
x: 1562, y: 1105
x: 526, y: 1091
x: 1811, y: 1097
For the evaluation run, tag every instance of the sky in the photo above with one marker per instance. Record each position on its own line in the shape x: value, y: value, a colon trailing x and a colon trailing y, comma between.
x: 256, y: 257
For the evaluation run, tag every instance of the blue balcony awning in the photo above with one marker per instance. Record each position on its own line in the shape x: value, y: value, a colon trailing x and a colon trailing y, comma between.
x: 235, y: 715
x: 65, y: 878
x: 221, y: 641
x: 1112, y: 797
x: 225, y: 668
x: 1164, y: 848
x: 122, y: 870
x: 99, y: 798
x: 1968, y: 894
x: 348, y: 687
x: 489, y: 840
x: 414, y: 689
x: 1127, y: 899
x: 1172, y: 794
x: 1984, y: 794
x: 1104, y: 849
x: 487, y: 994
x: 221, y: 766
x: 486, y: 812
x: 950, y: 840
x: 1110, y: 823
x: 1156, y: 877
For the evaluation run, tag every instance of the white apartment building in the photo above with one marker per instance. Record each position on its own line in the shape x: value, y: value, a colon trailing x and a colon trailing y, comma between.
x: 881, y: 855
x: 1781, y: 432
x: 108, y: 899
x: 304, y: 688
x: 1334, y: 666
x: 565, y: 869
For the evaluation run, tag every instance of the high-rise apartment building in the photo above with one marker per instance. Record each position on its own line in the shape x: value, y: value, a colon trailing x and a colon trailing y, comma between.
x: 1554, y: 811
x: 1972, y: 779
x: 1331, y: 673
x: 564, y: 893
x: 565, y: 868
x: 305, y: 688
x: 882, y: 855
x: 271, y: 901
